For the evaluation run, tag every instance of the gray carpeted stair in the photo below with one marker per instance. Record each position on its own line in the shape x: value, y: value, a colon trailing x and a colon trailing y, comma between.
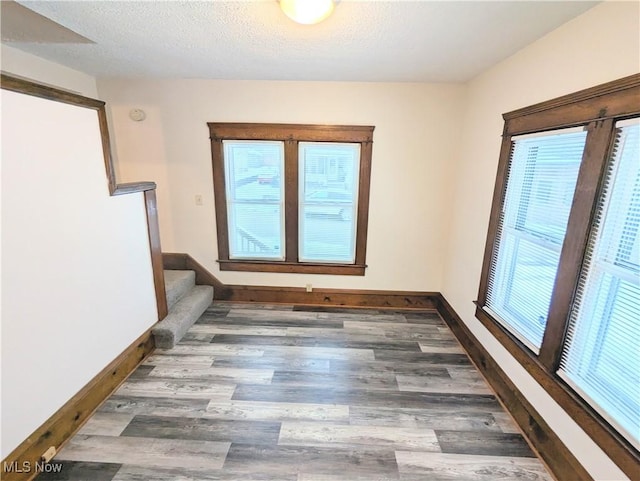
x: 177, y: 283
x: 186, y: 303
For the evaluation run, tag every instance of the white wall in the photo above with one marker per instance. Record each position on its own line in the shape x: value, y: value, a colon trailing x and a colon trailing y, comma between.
x: 77, y: 281
x: 415, y: 139
x: 30, y: 67
x: 599, y: 46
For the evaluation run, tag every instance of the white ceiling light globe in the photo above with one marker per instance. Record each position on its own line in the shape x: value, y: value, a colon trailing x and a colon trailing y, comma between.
x: 307, y: 12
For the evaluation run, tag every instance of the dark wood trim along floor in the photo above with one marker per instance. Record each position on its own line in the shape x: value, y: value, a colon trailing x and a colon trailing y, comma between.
x: 296, y: 393
x: 551, y: 449
x: 59, y: 428
x: 297, y: 295
x: 64, y: 423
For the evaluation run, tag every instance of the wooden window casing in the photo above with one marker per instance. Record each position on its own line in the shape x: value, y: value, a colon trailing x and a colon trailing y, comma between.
x: 597, y: 109
x: 291, y: 135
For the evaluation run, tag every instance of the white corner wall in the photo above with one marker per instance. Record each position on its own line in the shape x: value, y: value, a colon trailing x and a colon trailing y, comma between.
x: 601, y: 45
x: 77, y: 283
x: 416, y: 133
x: 30, y: 67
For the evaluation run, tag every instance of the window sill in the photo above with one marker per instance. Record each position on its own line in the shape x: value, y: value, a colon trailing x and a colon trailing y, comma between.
x: 514, y: 345
x: 584, y: 415
x: 292, y: 267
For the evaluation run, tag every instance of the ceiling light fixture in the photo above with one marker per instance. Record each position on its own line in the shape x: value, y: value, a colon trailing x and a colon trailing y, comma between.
x: 307, y: 12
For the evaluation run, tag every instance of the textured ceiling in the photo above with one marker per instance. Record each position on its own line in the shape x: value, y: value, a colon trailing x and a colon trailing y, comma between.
x: 433, y: 41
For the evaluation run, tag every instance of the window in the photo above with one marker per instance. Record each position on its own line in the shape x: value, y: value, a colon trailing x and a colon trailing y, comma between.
x: 560, y: 284
x: 328, y: 201
x: 543, y: 170
x: 601, y: 356
x: 291, y: 198
x: 255, y: 199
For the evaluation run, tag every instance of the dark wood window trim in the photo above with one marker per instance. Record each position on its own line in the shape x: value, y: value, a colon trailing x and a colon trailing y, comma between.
x: 291, y: 135
x: 597, y: 109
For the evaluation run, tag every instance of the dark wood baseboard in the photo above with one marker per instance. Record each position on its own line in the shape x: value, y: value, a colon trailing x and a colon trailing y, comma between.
x: 551, y: 449
x: 299, y: 295
x: 332, y: 297
x: 63, y: 424
x: 617, y: 448
x: 68, y: 419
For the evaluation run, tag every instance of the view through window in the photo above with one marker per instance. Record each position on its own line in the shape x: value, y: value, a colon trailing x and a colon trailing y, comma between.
x: 601, y: 358
x: 291, y: 198
x: 328, y: 201
x: 543, y: 170
x: 560, y: 283
x: 255, y: 199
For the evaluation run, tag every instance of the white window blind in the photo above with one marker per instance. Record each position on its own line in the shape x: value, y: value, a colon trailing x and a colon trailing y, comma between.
x: 254, y: 181
x: 541, y: 180
x: 328, y: 188
x: 601, y: 356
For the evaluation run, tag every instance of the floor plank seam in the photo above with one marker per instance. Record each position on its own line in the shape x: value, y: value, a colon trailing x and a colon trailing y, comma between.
x: 259, y: 393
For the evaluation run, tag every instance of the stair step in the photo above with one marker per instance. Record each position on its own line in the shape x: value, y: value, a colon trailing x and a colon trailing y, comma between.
x: 177, y: 284
x: 182, y: 315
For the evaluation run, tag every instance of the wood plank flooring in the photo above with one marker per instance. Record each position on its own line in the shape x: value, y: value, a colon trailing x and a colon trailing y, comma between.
x: 282, y: 393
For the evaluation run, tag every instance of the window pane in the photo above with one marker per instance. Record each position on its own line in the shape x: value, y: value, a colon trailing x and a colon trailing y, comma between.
x: 328, y: 201
x: 541, y: 180
x: 601, y: 357
x: 255, y: 197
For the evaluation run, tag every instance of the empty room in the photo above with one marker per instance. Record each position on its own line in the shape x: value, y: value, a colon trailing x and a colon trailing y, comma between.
x: 320, y: 240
